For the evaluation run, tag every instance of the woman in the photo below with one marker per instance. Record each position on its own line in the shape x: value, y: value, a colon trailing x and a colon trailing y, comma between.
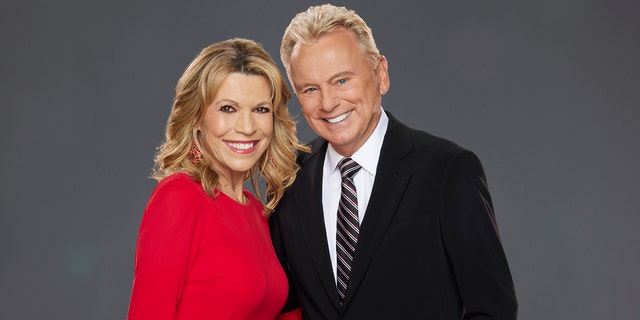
x: 204, y: 250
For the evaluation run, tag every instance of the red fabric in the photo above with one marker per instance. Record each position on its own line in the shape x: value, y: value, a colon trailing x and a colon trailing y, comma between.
x: 295, y: 314
x: 199, y: 257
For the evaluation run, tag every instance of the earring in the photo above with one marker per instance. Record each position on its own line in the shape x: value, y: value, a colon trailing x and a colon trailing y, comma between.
x: 267, y: 160
x: 195, y: 154
x: 270, y: 158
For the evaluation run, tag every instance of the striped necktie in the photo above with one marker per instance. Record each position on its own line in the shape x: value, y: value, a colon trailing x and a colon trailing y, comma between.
x: 348, y: 226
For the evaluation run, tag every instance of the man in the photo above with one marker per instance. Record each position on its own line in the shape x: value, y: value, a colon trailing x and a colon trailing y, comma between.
x: 407, y: 231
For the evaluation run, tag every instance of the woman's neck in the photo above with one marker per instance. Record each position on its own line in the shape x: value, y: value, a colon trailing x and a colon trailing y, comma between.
x: 233, y: 188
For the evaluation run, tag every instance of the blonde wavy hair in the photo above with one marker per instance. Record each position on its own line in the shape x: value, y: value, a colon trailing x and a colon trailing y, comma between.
x: 308, y: 26
x: 194, y: 93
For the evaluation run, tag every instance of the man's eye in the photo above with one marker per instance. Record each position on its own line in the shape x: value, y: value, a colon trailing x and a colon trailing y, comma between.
x: 227, y: 108
x: 309, y: 90
x: 341, y: 81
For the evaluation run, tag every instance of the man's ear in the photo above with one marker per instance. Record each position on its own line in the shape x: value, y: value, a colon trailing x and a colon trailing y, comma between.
x: 382, y: 72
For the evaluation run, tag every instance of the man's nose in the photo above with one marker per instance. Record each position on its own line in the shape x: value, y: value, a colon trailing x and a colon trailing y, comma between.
x: 329, y: 100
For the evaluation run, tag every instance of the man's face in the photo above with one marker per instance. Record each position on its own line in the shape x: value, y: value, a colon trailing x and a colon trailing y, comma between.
x: 339, y: 89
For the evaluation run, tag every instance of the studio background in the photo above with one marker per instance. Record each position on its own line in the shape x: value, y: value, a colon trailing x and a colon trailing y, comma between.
x: 547, y: 93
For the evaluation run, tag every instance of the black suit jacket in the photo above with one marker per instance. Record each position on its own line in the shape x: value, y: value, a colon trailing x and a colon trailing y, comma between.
x: 428, y: 246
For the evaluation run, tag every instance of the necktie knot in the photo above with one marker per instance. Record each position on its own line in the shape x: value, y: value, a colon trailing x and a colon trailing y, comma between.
x: 348, y: 168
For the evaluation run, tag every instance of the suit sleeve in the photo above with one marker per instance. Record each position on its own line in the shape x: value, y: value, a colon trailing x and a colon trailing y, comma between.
x: 162, y: 251
x: 473, y: 243
x: 278, y: 246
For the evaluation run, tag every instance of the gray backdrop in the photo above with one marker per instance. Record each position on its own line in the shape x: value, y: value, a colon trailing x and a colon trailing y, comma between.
x: 545, y: 92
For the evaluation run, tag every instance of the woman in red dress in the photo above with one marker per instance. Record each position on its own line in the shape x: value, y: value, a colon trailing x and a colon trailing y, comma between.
x: 204, y: 250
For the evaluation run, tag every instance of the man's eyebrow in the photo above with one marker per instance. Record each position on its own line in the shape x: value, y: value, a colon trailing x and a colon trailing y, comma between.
x: 331, y: 79
x: 341, y: 74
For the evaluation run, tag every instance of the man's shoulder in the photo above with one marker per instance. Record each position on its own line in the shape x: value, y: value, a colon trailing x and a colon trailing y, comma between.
x: 420, y: 139
x: 424, y: 139
x: 317, y: 146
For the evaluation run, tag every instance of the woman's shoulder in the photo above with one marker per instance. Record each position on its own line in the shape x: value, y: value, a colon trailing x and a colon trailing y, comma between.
x: 178, y: 180
x: 178, y: 185
x: 176, y: 202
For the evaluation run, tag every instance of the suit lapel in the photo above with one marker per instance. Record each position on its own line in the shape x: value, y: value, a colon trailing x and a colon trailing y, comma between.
x: 308, y: 194
x: 392, y: 177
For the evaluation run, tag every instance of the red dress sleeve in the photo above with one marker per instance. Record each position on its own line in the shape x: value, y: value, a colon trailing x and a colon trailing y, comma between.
x: 162, y: 256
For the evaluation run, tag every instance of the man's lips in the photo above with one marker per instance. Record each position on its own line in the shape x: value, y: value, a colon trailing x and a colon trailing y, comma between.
x: 339, y: 118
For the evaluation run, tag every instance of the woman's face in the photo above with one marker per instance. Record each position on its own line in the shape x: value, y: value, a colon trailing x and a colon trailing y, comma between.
x: 238, y: 124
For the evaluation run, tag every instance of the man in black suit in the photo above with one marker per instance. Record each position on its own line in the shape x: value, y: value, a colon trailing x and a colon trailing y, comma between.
x: 410, y: 235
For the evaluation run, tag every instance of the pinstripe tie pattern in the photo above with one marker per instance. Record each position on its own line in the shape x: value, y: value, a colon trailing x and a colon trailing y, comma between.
x: 347, y: 226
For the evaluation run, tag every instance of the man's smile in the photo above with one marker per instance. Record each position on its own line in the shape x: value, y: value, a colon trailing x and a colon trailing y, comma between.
x: 339, y: 118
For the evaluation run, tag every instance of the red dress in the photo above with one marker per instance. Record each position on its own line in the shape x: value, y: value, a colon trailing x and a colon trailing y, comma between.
x: 199, y: 257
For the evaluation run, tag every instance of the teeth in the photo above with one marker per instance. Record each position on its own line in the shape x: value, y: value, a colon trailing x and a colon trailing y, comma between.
x: 241, y: 146
x: 339, y: 118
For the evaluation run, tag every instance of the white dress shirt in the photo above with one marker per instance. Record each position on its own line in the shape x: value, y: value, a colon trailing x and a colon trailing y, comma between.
x: 367, y: 157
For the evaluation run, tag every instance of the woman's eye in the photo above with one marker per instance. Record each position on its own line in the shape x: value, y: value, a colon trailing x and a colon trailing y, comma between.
x: 227, y: 108
x: 263, y: 109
